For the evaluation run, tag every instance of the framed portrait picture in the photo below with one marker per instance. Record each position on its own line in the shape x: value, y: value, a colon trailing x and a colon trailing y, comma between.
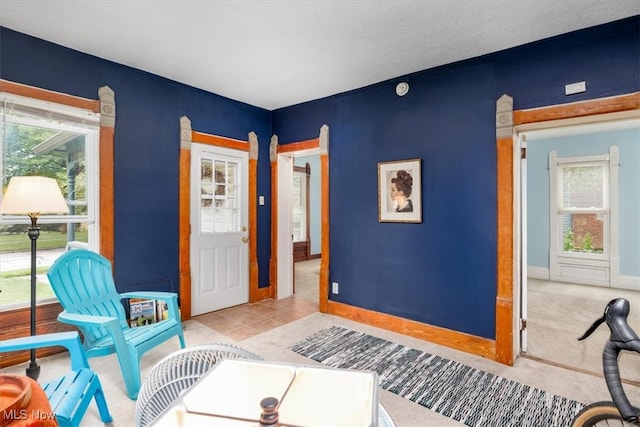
x: 400, y: 191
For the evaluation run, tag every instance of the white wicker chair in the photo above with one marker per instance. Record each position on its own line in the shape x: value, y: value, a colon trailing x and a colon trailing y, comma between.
x: 174, y: 374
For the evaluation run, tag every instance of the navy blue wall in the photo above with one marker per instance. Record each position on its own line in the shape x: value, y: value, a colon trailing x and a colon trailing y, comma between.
x: 443, y: 271
x: 147, y: 143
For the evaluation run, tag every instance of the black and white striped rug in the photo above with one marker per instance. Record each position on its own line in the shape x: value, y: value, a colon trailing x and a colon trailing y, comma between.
x: 470, y: 396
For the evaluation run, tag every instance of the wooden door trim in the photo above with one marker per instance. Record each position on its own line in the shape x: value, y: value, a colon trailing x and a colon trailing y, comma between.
x: 187, y: 137
x: 509, y: 123
x: 321, y: 143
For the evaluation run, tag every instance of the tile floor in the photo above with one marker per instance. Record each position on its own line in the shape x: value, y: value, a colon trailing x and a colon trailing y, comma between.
x: 247, y: 320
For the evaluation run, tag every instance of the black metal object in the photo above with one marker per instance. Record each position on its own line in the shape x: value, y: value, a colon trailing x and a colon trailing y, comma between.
x: 33, y: 370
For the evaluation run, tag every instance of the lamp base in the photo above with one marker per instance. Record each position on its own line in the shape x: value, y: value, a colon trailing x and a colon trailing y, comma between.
x: 33, y: 370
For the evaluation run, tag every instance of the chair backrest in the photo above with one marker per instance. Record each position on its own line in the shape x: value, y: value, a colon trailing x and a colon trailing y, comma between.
x: 83, y: 282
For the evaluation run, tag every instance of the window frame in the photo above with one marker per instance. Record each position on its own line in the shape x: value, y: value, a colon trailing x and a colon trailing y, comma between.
x: 563, y: 163
x: 46, y: 113
x: 301, y: 172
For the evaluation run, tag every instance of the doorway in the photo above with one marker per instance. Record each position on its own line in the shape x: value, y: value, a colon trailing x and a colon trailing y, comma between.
x: 288, y: 225
x: 578, y: 200
x: 281, y: 263
x: 306, y: 227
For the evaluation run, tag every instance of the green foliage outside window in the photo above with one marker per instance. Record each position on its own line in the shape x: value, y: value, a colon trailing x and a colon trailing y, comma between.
x: 569, y: 243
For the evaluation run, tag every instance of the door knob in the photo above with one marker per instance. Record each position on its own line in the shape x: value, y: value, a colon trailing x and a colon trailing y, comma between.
x: 245, y: 239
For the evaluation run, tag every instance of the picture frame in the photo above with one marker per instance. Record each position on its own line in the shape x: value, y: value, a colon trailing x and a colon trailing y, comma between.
x: 395, y: 179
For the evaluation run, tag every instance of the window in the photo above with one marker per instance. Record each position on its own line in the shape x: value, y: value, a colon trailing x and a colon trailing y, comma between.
x: 583, y: 205
x: 60, y: 142
x: 219, y: 198
x: 299, y: 204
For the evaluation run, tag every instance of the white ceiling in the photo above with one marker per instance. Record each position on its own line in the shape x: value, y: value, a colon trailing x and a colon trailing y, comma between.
x: 276, y: 53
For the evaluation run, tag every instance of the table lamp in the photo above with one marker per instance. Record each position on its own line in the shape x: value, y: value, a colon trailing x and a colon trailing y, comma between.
x: 32, y: 196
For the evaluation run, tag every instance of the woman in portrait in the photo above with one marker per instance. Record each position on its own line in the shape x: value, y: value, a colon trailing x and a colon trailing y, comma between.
x: 401, y: 191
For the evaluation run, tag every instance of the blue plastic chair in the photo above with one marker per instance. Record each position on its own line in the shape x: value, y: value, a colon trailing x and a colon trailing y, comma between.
x: 83, y: 282
x: 71, y: 394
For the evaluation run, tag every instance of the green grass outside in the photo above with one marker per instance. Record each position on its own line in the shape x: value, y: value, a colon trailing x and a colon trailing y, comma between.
x: 46, y: 240
x: 16, y: 285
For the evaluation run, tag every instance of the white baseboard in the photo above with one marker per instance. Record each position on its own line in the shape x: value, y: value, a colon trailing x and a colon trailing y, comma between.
x: 541, y: 273
x: 626, y: 282
x: 620, y: 282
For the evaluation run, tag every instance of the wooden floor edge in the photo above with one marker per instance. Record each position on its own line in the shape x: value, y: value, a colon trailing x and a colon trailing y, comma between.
x: 457, y: 340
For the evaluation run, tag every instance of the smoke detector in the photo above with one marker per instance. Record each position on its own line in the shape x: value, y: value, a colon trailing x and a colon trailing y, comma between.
x: 402, y: 88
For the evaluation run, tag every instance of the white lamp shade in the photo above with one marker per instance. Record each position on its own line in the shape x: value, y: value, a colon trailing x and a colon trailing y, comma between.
x: 33, y: 195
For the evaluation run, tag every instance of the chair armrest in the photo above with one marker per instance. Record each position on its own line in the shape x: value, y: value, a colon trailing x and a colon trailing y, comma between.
x: 88, y: 320
x: 110, y: 323
x: 70, y: 340
x: 38, y: 341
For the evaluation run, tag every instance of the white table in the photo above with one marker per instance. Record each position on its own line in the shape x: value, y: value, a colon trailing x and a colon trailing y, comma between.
x: 230, y: 394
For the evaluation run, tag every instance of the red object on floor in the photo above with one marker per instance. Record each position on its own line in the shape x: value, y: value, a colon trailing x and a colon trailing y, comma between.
x: 23, y: 403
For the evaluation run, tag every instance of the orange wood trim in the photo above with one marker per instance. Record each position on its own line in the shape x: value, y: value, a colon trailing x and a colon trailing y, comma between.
x: 323, y: 280
x: 324, y: 238
x: 107, y: 194
x: 579, y: 109
x: 106, y: 185
x: 253, y: 232
x: 184, y: 227
x: 50, y: 96
x: 446, y: 337
x: 299, y: 146
x: 264, y: 293
x: 505, y: 313
x: 219, y: 141
x: 273, y: 261
x: 185, y: 224
x: 47, y: 313
x: 504, y: 297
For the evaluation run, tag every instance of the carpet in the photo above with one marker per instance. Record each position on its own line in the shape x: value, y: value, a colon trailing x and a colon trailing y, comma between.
x: 465, y: 394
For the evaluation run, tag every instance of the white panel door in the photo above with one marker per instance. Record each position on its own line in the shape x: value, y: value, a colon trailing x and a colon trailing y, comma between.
x: 219, y: 219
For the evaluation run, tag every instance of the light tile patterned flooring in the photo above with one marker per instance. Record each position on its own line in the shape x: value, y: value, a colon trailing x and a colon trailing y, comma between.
x: 246, y: 320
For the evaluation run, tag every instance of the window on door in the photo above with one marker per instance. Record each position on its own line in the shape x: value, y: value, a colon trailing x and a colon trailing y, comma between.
x: 56, y: 141
x: 219, y: 197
